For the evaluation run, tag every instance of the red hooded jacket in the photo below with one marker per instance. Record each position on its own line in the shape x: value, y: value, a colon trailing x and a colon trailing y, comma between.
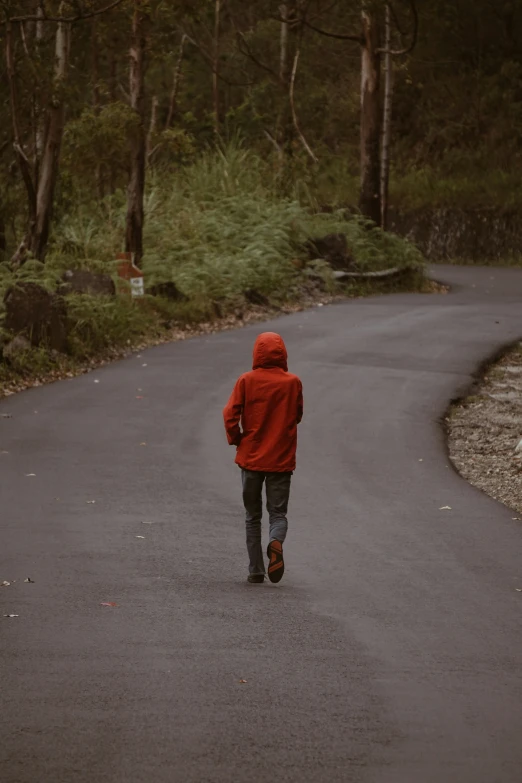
x: 269, y: 402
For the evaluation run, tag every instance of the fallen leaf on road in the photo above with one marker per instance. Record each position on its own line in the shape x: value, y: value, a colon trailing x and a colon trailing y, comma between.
x: 11, y: 615
x: 31, y: 581
x: 96, y: 381
x: 108, y: 603
x: 143, y: 365
x: 243, y: 682
x: 4, y: 452
x: 144, y: 522
x: 90, y: 501
x: 139, y: 398
x: 515, y: 519
x: 30, y: 474
x: 5, y: 416
x: 143, y: 444
x: 5, y: 584
x: 518, y: 589
x: 445, y: 508
x: 421, y: 460
x: 140, y: 536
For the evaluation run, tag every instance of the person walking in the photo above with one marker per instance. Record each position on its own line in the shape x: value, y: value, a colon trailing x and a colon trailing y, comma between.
x: 268, y: 401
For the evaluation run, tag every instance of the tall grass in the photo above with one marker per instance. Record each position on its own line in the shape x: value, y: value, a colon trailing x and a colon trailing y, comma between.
x: 220, y: 229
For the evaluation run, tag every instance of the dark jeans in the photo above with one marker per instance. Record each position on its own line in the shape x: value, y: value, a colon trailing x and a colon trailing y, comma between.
x: 277, y: 494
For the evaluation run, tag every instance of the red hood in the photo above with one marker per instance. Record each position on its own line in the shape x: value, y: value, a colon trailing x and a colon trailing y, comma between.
x: 270, y: 351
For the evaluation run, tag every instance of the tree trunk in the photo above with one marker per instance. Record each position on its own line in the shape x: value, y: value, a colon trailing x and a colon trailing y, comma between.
x: 283, y: 44
x: 175, y: 83
x: 40, y: 127
x: 95, y: 76
x: 215, y: 68
x: 3, y: 241
x: 136, y: 188
x: 53, y: 142
x: 387, y: 119
x: 113, y: 83
x: 284, y: 131
x: 370, y: 199
x: 23, y: 162
x: 153, y: 125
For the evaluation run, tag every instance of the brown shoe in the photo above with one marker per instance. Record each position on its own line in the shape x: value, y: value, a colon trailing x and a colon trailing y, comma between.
x: 256, y: 579
x: 276, y: 564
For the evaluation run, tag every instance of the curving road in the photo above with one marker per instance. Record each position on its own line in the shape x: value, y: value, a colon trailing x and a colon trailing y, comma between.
x: 392, y: 650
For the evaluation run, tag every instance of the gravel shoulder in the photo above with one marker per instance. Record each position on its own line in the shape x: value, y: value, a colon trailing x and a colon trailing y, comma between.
x: 485, y: 429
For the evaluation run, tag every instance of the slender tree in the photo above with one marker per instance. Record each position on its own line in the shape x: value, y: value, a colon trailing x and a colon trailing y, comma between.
x: 390, y: 54
x: 40, y: 175
x: 387, y: 117
x: 375, y: 129
x: 215, y: 65
x: 176, y: 82
x: 136, y: 187
x: 370, y: 197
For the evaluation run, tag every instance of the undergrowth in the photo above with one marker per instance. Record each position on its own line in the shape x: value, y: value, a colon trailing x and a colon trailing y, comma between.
x: 221, y: 232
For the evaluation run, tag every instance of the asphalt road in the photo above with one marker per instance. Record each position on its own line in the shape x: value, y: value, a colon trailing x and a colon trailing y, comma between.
x: 392, y: 650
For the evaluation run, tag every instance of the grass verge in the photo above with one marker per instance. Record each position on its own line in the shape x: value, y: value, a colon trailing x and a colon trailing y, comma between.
x: 225, y: 237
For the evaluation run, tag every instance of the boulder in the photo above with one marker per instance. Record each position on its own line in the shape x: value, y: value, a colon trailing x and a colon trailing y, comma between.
x: 81, y: 281
x: 37, y: 314
x: 168, y: 290
x: 332, y: 248
x: 17, y: 346
x: 256, y: 298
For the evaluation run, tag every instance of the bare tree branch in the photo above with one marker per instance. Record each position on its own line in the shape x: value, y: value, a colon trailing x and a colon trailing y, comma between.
x: 26, y: 50
x: 273, y: 141
x: 415, y: 31
x: 124, y: 93
x: 292, y: 106
x: 176, y: 82
x: 62, y: 19
x: 23, y: 162
x: 357, y: 38
x: 249, y: 53
x: 208, y: 59
x: 326, y: 10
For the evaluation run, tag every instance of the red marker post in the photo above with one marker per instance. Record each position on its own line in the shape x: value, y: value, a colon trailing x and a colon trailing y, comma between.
x: 128, y: 271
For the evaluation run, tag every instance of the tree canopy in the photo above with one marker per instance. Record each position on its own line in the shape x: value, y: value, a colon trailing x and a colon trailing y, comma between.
x: 283, y: 77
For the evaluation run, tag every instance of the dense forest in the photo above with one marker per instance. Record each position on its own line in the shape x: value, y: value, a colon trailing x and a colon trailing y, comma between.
x: 209, y: 138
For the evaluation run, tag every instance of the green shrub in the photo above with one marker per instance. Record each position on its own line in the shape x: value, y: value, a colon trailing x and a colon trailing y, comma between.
x: 221, y: 227
x: 99, y: 322
x: 218, y: 229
